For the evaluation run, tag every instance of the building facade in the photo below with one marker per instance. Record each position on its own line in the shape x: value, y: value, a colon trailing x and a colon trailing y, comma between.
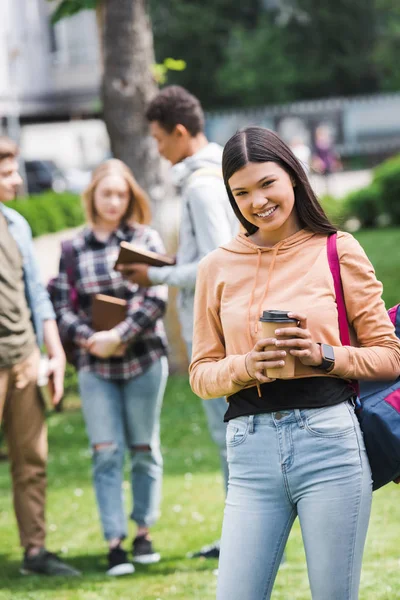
x: 47, y: 71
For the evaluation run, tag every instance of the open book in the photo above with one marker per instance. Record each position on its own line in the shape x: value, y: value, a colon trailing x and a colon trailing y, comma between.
x: 129, y: 253
x: 107, y: 312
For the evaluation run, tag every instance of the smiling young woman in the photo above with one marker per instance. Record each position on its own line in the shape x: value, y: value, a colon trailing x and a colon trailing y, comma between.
x: 294, y: 445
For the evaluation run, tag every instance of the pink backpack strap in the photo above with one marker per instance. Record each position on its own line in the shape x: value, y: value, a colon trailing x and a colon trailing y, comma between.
x: 334, y: 265
x: 393, y: 313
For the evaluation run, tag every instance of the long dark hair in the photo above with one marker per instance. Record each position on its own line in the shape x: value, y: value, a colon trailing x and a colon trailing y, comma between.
x: 258, y: 145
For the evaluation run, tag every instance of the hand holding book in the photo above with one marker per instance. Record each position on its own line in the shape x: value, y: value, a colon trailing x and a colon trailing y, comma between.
x: 130, y: 254
x: 104, y: 344
x: 107, y: 313
x: 136, y: 273
x: 133, y: 263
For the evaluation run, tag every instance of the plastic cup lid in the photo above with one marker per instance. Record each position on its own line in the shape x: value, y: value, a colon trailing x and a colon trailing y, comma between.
x: 276, y: 316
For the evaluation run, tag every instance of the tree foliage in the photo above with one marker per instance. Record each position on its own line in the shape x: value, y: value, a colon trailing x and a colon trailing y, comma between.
x: 387, y: 47
x: 67, y: 8
x: 268, y: 51
x: 331, y: 47
x: 198, y: 33
x: 255, y: 69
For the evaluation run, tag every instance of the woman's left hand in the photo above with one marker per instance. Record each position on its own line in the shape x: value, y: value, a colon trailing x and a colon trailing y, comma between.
x: 104, y: 343
x: 297, y: 341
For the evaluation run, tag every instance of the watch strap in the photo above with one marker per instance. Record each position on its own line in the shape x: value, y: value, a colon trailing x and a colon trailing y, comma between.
x: 326, y: 365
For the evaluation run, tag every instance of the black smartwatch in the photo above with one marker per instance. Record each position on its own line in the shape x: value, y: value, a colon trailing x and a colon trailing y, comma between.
x: 328, y: 358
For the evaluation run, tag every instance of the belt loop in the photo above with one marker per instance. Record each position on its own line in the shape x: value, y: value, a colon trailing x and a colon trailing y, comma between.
x: 251, y: 424
x: 299, y: 418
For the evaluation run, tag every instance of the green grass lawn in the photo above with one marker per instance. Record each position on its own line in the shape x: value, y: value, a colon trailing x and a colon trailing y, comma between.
x: 383, y: 248
x: 192, y: 505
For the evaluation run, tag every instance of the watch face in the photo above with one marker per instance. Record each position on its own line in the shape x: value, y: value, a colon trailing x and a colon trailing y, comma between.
x: 327, y: 352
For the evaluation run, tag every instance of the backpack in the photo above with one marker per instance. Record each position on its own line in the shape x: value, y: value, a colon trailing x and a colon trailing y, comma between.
x: 378, y: 403
x: 68, y: 252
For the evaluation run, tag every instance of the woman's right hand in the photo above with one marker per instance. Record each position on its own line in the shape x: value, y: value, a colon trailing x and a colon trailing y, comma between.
x: 119, y: 351
x: 259, y: 359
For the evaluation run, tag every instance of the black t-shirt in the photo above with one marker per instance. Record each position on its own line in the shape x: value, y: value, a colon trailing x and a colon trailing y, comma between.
x: 288, y: 394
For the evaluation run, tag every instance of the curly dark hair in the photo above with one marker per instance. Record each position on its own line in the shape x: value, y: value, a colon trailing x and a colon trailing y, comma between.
x: 176, y: 106
x: 258, y: 145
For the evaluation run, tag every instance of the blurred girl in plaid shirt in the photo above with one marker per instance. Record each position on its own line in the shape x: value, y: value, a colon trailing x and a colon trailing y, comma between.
x: 122, y: 372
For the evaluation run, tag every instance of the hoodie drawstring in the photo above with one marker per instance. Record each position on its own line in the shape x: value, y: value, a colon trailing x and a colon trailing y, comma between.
x: 270, y: 271
x: 269, y: 276
x: 252, y: 296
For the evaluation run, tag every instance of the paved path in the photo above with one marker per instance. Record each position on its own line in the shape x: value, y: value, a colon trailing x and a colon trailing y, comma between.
x: 48, y: 250
x: 339, y: 185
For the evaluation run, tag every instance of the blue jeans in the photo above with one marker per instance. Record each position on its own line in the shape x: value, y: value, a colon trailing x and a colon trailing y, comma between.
x: 121, y: 414
x: 307, y: 463
x: 215, y: 411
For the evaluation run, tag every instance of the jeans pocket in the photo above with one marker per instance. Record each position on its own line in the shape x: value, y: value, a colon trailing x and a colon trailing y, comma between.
x: 237, y: 431
x: 330, y: 422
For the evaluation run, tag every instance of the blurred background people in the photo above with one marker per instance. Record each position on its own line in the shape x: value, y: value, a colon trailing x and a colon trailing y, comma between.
x: 301, y: 151
x: 325, y: 160
x: 123, y: 371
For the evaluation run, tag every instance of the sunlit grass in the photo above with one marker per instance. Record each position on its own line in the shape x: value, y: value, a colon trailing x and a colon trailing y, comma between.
x: 191, y: 517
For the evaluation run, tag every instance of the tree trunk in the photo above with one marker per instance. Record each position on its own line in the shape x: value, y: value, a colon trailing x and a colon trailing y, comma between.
x: 100, y: 30
x: 128, y: 86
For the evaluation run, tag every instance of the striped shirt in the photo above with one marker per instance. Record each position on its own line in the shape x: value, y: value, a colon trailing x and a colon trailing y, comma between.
x: 142, y: 329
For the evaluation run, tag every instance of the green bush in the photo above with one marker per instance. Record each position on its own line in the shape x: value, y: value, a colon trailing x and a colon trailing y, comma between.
x: 50, y: 212
x: 335, y: 209
x: 379, y: 202
x: 365, y: 204
x: 387, y: 176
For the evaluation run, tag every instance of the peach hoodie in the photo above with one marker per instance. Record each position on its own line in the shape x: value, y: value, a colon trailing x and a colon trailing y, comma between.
x: 236, y: 282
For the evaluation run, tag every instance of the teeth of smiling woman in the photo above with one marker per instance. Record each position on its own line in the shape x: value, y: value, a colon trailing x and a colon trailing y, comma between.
x: 267, y: 212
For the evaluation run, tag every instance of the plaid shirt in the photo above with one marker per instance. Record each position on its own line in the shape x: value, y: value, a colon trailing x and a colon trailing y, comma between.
x: 142, y: 329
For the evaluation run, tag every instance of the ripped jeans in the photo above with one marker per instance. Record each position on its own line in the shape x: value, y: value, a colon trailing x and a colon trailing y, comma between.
x: 120, y: 415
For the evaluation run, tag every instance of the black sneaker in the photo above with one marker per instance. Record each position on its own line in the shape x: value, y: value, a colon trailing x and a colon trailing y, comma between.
x: 46, y: 563
x: 210, y: 551
x: 118, y: 563
x: 143, y: 551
